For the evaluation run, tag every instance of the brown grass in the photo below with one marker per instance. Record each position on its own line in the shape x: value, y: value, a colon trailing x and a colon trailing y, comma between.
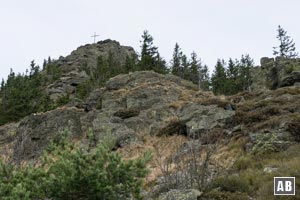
x: 268, y: 109
x: 161, y: 147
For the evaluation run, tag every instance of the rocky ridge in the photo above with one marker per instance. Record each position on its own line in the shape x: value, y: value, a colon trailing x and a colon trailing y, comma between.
x: 168, y: 115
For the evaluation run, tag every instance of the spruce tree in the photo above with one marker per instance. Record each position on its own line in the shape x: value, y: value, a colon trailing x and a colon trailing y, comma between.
x: 176, y: 65
x: 148, y: 52
x: 150, y: 58
x: 204, y: 78
x: 286, y: 47
x: 219, y: 78
x: 245, y: 65
x: 195, y: 65
x: 232, y: 73
x: 185, y: 65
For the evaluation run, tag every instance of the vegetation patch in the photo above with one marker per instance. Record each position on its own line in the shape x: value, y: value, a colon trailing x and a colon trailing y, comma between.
x: 172, y: 127
x: 127, y: 113
x: 294, y: 128
x: 69, y: 171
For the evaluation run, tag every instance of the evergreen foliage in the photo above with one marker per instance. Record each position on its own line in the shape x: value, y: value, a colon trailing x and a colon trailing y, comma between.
x: 234, y: 77
x: 22, y: 95
x: 176, y: 62
x: 68, y: 171
x: 52, y: 70
x: 219, y: 78
x: 191, y: 70
x: 286, y: 47
x: 150, y: 59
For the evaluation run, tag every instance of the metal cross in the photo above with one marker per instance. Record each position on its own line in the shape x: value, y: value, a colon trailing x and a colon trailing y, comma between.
x: 94, y: 36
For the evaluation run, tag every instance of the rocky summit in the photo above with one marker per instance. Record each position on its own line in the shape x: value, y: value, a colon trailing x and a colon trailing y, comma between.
x: 85, y: 56
x: 203, y: 146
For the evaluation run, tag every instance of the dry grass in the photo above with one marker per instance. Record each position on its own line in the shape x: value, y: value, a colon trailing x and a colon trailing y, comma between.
x: 219, y: 101
x: 173, y: 126
x: 161, y: 147
x: 294, y: 128
x: 269, y: 109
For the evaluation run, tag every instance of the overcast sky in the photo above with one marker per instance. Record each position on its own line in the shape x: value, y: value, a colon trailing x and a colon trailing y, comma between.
x: 36, y: 29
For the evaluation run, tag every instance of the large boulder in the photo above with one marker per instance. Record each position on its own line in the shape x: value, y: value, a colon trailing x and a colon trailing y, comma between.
x: 291, y: 79
x: 274, y: 73
x: 200, y: 119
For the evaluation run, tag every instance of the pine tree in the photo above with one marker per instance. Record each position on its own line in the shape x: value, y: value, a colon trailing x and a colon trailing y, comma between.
x: 130, y: 64
x: 148, y: 52
x: 71, y: 171
x: 245, y: 65
x: 186, y: 66
x: 232, y: 73
x: 286, y: 47
x: 150, y: 58
x: 195, y: 65
x: 204, y: 78
x: 176, y: 65
x: 219, y: 78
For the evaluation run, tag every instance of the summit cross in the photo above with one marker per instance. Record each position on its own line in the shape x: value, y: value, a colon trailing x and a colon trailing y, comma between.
x: 94, y: 36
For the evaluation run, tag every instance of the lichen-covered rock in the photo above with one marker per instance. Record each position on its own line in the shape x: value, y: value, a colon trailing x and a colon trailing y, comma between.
x: 36, y: 131
x: 270, y: 141
x: 72, y: 65
x: 106, y: 124
x: 274, y: 73
x: 190, y: 194
x: 199, y: 119
x: 130, y: 104
x: 291, y: 79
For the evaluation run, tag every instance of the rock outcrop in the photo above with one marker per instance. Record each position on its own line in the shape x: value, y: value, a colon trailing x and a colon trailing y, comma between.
x: 290, y: 80
x: 274, y: 73
x: 130, y: 104
x: 85, y: 56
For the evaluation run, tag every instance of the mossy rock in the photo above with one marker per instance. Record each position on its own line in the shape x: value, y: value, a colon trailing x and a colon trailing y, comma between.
x: 127, y: 113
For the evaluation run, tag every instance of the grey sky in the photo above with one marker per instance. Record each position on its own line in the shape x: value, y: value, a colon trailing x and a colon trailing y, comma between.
x: 36, y: 29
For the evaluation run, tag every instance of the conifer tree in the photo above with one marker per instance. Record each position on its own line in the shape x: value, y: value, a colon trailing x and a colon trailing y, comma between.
x: 219, y: 78
x: 232, y: 73
x: 176, y: 65
x: 70, y: 171
x: 195, y: 65
x: 148, y: 52
x: 185, y: 65
x: 150, y: 58
x: 286, y: 47
x: 204, y: 79
x: 245, y: 65
x: 130, y: 64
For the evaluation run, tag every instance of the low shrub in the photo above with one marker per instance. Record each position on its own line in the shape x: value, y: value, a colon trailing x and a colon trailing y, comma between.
x: 221, y: 195
x: 127, y: 113
x: 231, y: 184
x: 67, y: 171
x: 243, y: 163
x: 172, y: 127
x: 294, y: 128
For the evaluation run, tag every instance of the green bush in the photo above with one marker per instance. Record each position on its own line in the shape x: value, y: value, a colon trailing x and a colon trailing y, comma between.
x: 218, y: 195
x: 68, y: 171
x: 231, y: 184
x: 243, y: 163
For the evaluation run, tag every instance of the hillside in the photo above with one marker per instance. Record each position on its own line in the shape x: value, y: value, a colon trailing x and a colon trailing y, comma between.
x: 203, y: 146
